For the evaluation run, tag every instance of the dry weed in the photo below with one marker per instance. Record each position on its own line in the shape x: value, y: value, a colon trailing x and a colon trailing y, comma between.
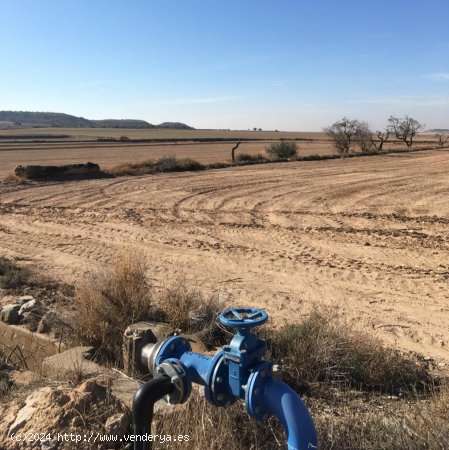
x: 324, y: 349
x: 186, y: 308
x: 110, y: 300
x: 12, y: 276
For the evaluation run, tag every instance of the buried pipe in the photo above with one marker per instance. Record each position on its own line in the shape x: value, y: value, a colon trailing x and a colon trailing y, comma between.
x: 238, y: 371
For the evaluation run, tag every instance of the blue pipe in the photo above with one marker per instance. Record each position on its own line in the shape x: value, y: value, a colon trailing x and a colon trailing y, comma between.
x: 197, y: 366
x: 282, y: 401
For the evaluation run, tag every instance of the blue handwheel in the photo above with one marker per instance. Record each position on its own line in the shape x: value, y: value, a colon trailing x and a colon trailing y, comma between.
x: 243, y: 317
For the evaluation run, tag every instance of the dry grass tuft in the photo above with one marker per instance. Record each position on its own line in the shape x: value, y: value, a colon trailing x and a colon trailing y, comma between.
x: 186, y: 308
x: 245, y: 157
x: 110, y: 300
x: 167, y: 163
x: 217, y: 428
x: 323, y: 349
x: 131, y: 168
x: 385, y: 424
x: 12, y: 276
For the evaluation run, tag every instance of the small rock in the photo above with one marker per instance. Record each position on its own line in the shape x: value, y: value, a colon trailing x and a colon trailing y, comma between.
x: 25, y: 414
x: 92, y: 386
x: 25, y: 298
x: 367, y: 244
x: 117, y: 424
x: 10, y: 314
x: 29, y: 306
x: 43, y: 326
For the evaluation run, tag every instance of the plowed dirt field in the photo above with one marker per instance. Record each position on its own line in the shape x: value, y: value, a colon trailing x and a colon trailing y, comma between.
x: 368, y: 235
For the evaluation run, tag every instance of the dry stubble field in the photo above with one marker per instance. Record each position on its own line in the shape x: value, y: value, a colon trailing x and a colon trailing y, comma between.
x: 366, y: 235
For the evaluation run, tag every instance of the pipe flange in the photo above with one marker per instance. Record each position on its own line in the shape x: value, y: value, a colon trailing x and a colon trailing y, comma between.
x: 149, y: 354
x: 255, y: 390
x: 217, y: 390
x: 175, y: 370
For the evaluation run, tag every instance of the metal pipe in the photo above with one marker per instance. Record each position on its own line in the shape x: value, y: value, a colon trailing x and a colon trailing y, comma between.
x: 283, y: 402
x: 143, y: 408
x: 197, y: 366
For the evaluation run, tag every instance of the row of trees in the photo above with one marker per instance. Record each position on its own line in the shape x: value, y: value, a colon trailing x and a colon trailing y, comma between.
x: 348, y: 132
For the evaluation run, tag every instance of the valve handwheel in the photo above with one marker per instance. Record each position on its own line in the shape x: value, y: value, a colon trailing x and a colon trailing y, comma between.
x: 243, y: 317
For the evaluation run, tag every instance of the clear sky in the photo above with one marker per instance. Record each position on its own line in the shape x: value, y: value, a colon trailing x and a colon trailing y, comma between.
x: 285, y: 64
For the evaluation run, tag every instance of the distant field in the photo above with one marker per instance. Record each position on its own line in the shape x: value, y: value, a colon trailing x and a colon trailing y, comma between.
x: 108, y: 154
x: 89, y: 133
x: 82, y: 146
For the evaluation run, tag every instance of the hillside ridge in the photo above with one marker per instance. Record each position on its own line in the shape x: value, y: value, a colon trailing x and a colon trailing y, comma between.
x: 31, y: 119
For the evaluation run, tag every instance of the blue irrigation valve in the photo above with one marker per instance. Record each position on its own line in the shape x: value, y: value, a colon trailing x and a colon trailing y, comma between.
x: 238, y: 371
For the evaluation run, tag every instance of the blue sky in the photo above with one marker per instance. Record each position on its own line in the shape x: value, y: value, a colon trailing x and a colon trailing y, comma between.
x: 285, y: 64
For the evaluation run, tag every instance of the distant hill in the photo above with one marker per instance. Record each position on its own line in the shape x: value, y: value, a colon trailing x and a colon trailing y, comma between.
x: 123, y: 123
x: 174, y: 126
x: 439, y: 130
x: 27, y: 119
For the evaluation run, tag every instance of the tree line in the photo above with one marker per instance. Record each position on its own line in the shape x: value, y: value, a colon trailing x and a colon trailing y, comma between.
x: 346, y: 133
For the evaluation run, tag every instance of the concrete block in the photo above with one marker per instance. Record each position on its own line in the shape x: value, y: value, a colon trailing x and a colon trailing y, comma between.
x: 136, y: 336
x: 63, y: 366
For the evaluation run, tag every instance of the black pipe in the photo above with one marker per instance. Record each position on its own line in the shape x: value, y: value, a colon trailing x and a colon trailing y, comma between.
x: 143, y: 408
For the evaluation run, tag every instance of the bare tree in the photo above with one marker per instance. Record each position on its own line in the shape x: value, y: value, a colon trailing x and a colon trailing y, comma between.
x: 405, y: 129
x: 382, y: 137
x: 442, y: 139
x: 363, y: 136
x: 233, y: 151
x: 342, y: 133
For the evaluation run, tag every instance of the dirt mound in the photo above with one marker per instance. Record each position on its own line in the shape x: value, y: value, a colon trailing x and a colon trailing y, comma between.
x: 52, y: 410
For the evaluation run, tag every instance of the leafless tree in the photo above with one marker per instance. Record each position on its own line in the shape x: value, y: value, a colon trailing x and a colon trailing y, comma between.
x: 233, y: 151
x: 405, y: 129
x: 363, y: 136
x: 382, y: 137
x: 342, y: 133
x: 442, y: 139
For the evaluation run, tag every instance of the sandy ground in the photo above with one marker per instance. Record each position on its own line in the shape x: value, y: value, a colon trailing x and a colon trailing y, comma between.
x: 369, y: 236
